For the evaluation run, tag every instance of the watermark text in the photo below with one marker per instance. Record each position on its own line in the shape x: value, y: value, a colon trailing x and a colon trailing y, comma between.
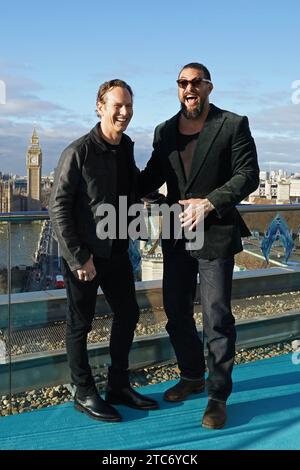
x: 138, y: 222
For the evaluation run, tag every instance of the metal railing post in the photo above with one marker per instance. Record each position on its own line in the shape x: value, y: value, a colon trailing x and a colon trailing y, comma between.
x: 9, y: 313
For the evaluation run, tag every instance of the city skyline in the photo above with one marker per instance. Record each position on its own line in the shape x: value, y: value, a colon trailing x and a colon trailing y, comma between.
x: 54, y: 58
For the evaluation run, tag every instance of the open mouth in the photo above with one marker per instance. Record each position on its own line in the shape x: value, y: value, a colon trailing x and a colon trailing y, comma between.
x: 191, y: 100
x: 122, y: 120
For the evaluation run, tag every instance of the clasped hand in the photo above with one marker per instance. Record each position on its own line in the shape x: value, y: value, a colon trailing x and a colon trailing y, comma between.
x: 197, y: 209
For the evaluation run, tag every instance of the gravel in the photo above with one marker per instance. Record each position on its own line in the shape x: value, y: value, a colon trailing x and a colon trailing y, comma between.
x: 45, y: 397
x: 152, y: 322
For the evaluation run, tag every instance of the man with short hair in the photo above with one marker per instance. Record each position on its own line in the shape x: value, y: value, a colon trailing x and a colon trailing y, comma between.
x: 97, y: 169
x: 208, y: 159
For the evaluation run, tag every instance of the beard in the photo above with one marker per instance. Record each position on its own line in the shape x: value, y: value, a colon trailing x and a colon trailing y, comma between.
x: 194, y: 114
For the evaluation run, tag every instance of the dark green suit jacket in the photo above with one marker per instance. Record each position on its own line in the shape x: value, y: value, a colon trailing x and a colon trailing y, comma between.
x: 224, y: 170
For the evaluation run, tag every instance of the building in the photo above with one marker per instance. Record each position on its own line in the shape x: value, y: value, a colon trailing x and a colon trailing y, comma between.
x: 263, y: 175
x: 6, y: 196
x: 26, y: 193
x: 279, y: 191
x: 34, y: 172
x: 20, y: 185
x: 295, y: 190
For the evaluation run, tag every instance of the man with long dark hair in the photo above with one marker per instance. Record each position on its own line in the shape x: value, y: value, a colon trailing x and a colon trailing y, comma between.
x: 208, y: 159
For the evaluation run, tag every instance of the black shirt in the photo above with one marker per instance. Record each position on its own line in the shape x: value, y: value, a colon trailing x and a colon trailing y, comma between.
x: 123, y: 189
x: 186, y: 147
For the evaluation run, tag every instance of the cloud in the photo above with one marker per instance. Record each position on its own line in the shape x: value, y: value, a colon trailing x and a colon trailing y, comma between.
x: 275, y: 149
x: 278, y: 151
x: 12, y: 65
x: 171, y: 91
x: 251, y: 98
x: 57, y: 126
x: 24, y: 103
x: 142, y: 138
x: 277, y: 134
x: 279, y: 120
x: 251, y: 94
x: 20, y: 85
x: 32, y: 108
x: 274, y: 122
x: 123, y: 71
x: 24, y: 109
x: 15, y: 139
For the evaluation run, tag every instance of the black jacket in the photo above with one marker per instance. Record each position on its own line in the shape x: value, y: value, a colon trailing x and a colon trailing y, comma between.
x: 224, y: 170
x: 84, y: 179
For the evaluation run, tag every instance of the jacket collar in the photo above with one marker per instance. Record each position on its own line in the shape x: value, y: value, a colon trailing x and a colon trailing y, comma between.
x: 212, y: 127
x: 102, y: 144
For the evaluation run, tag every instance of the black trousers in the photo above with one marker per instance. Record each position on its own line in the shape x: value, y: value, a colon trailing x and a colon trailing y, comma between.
x: 179, y: 288
x: 115, y: 277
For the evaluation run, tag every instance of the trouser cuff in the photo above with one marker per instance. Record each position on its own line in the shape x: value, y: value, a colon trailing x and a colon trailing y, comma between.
x: 192, y: 379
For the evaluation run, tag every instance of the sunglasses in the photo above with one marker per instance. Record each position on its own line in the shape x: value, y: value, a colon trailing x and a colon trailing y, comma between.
x: 196, y: 82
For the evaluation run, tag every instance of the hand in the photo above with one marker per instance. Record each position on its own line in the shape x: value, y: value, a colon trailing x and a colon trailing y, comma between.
x: 88, y: 271
x: 196, y: 210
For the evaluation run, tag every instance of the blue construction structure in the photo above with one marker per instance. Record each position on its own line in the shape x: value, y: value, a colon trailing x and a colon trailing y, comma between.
x: 277, y: 230
x: 134, y: 256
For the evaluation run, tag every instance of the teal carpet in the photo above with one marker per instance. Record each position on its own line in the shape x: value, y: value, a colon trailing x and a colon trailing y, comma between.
x: 263, y: 413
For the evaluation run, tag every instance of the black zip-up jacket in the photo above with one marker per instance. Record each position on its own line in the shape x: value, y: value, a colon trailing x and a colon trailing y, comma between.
x: 86, y: 177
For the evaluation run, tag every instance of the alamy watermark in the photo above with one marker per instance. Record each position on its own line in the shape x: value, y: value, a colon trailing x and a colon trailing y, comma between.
x: 135, y: 222
x: 296, y: 93
x: 2, y: 92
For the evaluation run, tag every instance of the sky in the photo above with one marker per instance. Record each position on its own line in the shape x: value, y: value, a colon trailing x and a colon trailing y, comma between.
x: 54, y: 56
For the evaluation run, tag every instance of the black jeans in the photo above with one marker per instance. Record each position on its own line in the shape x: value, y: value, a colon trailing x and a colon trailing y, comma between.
x: 115, y: 277
x: 179, y: 288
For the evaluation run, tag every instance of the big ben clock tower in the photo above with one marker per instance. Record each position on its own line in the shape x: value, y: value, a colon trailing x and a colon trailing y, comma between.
x: 34, y: 173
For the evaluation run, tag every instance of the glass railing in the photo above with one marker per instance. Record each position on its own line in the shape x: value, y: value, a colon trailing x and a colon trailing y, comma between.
x: 33, y: 300
x: 20, y: 241
x: 5, y: 315
x: 274, y: 240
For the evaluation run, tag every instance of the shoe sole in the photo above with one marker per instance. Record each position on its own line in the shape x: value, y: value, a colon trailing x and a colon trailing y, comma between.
x: 210, y: 426
x: 182, y: 398
x: 97, y: 418
x: 119, y: 402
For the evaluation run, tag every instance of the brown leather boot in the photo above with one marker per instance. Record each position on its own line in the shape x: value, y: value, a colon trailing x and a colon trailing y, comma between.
x: 215, y: 415
x: 183, y: 389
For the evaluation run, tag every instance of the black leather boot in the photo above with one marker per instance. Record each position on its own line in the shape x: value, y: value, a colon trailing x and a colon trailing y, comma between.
x: 129, y: 397
x: 95, y: 407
